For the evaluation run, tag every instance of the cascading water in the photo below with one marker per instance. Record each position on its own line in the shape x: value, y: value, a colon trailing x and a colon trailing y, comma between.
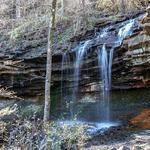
x: 104, y: 104
x: 106, y: 67
x: 105, y: 60
x: 126, y: 30
x: 64, y: 73
x: 110, y: 66
x: 79, y: 57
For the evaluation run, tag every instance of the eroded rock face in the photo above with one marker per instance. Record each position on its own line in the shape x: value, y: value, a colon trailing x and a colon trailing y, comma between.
x: 135, y: 59
x: 22, y: 69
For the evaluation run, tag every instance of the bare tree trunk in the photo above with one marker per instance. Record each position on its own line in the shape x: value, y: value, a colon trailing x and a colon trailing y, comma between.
x: 18, y: 9
x: 83, y: 8
x: 62, y: 7
x: 49, y: 62
x: 122, y: 6
x: 85, y: 20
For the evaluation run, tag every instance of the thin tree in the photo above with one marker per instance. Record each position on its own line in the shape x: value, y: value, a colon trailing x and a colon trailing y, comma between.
x: 49, y: 61
x: 62, y: 7
x: 122, y: 6
x: 18, y: 9
x: 84, y: 13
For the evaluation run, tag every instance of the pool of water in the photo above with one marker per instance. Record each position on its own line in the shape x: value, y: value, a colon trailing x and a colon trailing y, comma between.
x: 124, y: 105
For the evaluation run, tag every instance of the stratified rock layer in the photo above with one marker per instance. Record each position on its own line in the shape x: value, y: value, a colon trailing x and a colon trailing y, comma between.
x: 22, y: 68
x: 133, y: 59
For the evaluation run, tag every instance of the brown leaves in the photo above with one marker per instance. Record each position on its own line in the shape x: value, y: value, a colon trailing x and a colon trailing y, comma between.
x: 5, y: 93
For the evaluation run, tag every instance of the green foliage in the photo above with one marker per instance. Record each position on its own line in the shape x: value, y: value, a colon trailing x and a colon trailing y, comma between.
x: 65, y: 35
x: 31, y: 110
x: 65, y: 136
x: 36, y: 135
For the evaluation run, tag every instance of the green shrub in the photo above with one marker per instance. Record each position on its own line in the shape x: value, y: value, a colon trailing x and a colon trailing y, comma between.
x: 31, y: 110
x: 54, y: 136
x: 66, y: 136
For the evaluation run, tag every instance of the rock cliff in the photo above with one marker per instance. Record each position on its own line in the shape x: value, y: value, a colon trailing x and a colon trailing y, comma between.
x: 22, y: 67
x: 133, y: 59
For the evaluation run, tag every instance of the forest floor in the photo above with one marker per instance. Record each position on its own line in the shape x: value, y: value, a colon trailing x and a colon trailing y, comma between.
x: 139, y: 141
x: 124, y: 137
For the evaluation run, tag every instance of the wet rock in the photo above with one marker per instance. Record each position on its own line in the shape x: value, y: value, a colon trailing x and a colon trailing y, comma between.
x: 136, y: 141
x: 124, y: 148
x: 113, y: 148
x: 142, y: 120
x: 137, y: 148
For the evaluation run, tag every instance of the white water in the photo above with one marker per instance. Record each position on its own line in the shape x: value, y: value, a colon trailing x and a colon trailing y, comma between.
x: 105, y: 61
x: 105, y: 66
x: 79, y: 57
x: 104, y: 76
x: 126, y: 30
x: 64, y: 74
x: 92, y: 128
x: 110, y: 66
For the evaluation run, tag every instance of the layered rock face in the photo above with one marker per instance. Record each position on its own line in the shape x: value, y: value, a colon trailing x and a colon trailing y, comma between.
x: 22, y: 69
x: 133, y: 59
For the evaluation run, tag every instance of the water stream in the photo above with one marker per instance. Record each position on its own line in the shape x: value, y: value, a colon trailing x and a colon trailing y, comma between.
x: 105, y: 59
x: 104, y: 77
x: 105, y: 62
x: 79, y: 58
x: 65, y: 72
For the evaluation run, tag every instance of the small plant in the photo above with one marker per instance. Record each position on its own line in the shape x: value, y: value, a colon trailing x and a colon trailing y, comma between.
x: 67, y: 136
x: 31, y: 110
x: 33, y: 134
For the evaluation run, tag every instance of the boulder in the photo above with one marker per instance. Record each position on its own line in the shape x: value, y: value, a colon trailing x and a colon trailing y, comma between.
x: 137, y: 148
x: 124, y: 148
x: 142, y: 120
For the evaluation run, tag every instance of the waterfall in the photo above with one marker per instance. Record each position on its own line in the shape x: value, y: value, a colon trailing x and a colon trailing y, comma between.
x: 62, y: 73
x: 65, y: 71
x: 105, y: 66
x: 105, y: 62
x: 126, y: 30
x: 79, y: 57
x: 110, y: 66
